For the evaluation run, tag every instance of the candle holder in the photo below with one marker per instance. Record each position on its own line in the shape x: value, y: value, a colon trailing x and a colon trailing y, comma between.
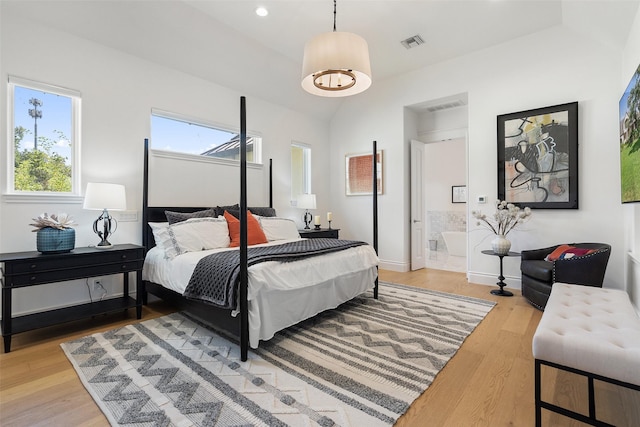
x: 329, y: 224
x: 317, y: 226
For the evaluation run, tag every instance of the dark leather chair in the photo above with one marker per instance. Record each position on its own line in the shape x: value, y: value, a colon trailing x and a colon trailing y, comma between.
x: 539, y: 275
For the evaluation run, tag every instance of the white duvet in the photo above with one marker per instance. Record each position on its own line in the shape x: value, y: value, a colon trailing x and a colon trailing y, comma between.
x: 280, y: 294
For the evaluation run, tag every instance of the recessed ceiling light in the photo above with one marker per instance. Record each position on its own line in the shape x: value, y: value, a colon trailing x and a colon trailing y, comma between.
x: 262, y: 11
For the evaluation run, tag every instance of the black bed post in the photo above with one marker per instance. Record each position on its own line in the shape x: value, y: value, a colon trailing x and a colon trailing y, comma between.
x: 145, y: 205
x: 270, y: 183
x: 244, y: 306
x: 375, y: 210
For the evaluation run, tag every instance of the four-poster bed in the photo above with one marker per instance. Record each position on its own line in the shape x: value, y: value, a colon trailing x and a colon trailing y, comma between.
x: 270, y: 295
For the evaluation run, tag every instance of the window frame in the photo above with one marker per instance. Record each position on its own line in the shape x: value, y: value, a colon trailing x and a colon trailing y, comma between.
x: 306, y: 169
x: 13, y: 195
x: 257, y: 148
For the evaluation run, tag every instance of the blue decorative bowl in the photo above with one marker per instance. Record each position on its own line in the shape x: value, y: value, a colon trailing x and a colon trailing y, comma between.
x: 53, y: 241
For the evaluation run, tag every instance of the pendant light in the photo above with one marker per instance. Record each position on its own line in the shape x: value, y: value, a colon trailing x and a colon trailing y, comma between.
x: 336, y: 64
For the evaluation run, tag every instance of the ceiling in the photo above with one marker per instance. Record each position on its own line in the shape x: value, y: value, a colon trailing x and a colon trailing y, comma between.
x: 224, y: 41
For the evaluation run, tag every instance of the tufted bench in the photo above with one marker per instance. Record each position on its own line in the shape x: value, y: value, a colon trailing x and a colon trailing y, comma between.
x: 594, y: 332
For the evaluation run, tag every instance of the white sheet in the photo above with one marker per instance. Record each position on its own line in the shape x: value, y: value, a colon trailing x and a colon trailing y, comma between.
x: 280, y: 294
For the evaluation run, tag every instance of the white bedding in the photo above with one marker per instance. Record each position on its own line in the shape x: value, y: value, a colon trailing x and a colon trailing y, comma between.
x: 280, y: 294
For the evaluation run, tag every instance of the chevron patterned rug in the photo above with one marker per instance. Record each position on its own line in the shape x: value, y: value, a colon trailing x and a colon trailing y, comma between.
x: 362, y: 364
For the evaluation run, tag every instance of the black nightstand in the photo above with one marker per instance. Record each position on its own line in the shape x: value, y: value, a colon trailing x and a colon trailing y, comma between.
x: 330, y: 233
x: 33, y: 268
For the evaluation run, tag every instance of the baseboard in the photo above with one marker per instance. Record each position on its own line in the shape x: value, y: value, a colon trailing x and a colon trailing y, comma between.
x: 513, y: 282
x: 401, y: 267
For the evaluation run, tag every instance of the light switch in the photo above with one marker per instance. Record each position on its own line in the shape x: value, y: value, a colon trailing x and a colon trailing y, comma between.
x: 127, y: 216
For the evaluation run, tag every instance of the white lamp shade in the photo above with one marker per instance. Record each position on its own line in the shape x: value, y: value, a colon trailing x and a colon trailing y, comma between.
x: 306, y: 201
x: 336, y: 51
x: 99, y: 196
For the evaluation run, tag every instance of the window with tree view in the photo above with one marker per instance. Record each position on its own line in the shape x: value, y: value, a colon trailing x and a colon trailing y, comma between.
x: 172, y: 132
x: 45, y: 143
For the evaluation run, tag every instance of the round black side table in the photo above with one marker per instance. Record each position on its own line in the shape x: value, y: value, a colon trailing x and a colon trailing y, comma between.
x: 501, y: 283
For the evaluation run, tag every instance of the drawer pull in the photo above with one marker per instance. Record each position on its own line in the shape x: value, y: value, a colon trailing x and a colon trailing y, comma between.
x: 33, y: 278
x: 33, y: 266
x: 124, y: 266
x: 124, y: 257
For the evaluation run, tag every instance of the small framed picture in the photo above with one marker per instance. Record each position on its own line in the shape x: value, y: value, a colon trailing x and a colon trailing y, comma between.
x: 459, y: 194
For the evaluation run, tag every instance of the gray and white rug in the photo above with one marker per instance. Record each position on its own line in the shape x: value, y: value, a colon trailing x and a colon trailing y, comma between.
x: 361, y: 364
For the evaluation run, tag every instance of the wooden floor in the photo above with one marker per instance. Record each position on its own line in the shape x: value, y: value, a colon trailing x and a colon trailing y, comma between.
x: 489, y: 382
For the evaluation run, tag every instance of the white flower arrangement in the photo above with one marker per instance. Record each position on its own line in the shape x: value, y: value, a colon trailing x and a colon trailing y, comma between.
x: 505, y: 218
x: 60, y: 221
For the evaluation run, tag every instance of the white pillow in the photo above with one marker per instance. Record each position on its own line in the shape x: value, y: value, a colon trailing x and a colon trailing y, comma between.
x: 279, y: 228
x: 161, y: 234
x: 197, y: 234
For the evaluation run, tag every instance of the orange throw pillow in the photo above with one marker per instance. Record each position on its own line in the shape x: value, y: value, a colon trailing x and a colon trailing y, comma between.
x: 557, y: 252
x: 255, y: 235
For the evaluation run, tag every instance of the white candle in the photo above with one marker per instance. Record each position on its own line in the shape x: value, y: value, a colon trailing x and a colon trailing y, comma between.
x: 329, y: 216
x: 317, y: 220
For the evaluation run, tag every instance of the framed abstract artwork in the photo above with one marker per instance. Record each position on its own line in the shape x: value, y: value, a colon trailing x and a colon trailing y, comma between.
x: 630, y: 141
x: 359, y: 173
x: 538, y: 157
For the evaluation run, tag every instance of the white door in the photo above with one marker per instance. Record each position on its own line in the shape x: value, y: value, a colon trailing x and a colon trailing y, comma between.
x: 418, y: 247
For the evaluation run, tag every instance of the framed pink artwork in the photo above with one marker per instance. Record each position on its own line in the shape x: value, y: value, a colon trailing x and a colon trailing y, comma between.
x: 359, y: 173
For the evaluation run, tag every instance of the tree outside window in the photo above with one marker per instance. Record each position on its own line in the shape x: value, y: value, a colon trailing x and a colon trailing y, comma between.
x: 43, y: 138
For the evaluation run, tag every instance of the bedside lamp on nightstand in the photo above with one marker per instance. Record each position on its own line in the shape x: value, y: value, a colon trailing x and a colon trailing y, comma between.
x: 102, y: 196
x: 306, y: 201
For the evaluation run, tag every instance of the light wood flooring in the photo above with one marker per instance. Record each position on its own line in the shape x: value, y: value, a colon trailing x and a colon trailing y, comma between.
x: 489, y: 382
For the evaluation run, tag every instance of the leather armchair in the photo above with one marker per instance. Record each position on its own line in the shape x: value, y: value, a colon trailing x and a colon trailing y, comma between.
x: 539, y: 275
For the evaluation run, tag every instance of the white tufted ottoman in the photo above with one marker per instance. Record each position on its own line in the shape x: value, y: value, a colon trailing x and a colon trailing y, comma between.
x: 591, y: 331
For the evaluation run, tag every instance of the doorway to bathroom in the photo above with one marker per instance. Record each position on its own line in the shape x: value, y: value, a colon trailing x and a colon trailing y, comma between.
x: 441, y: 216
x: 445, y: 204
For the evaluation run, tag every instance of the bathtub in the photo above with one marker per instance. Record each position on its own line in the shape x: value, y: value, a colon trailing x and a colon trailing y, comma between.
x: 456, y: 242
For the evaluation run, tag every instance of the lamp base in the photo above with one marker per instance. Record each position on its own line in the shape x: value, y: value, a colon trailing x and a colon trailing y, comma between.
x: 109, y: 226
x: 307, y: 219
x: 101, y: 246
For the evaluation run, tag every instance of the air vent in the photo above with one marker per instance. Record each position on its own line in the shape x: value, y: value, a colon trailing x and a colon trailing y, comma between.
x: 445, y: 106
x: 412, y: 42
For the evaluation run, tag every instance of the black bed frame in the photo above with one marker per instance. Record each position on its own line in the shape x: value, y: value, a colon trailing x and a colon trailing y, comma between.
x: 219, y: 318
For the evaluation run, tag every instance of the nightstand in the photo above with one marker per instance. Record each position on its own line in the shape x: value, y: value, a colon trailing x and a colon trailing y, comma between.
x: 23, y: 269
x: 330, y: 233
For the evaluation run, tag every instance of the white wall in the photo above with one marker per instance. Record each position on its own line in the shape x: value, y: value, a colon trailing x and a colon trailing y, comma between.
x: 445, y: 164
x: 548, y: 68
x: 445, y: 155
x: 631, y: 249
x: 118, y: 93
x: 443, y: 124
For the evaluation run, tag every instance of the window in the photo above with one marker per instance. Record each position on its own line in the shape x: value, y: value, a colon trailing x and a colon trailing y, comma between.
x: 172, y: 132
x: 300, y: 169
x: 45, y: 124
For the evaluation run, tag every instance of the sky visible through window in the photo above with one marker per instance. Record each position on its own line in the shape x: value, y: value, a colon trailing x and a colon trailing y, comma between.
x: 56, y: 117
x: 167, y: 134
x: 175, y: 135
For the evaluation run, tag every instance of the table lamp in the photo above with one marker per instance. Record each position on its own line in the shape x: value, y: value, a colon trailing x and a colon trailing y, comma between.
x: 306, y: 201
x: 103, y: 196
